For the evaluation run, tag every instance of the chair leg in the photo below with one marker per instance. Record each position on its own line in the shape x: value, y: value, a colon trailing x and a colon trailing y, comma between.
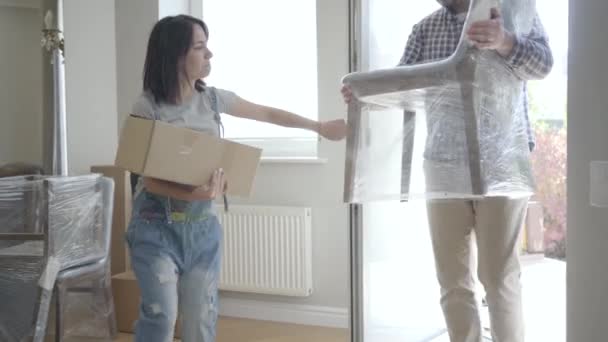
x: 60, y: 297
x: 109, y: 300
x: 100, y: 290
x: 42, y: 315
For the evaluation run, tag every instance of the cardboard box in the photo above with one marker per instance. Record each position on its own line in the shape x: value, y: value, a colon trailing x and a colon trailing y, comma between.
x: 121, y: 216
x: 164, y: 151
x: 127, y: 301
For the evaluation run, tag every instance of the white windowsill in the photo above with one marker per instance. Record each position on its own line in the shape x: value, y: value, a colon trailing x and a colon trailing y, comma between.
x: 294, y: 160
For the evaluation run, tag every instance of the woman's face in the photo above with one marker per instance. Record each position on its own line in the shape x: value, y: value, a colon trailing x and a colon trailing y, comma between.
x: 196, y: 63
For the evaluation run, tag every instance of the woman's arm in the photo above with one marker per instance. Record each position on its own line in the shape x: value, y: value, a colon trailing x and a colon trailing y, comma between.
x: 332, y: 130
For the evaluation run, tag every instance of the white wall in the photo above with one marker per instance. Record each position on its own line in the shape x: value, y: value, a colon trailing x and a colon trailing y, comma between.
x: 20, y: 85
x: 587, y: 140
x: 134, y: 21
x: 173, y: 7
x: 90, y: 70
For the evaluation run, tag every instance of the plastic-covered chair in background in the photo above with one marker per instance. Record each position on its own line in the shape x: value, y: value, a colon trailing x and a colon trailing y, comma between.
x: 57, y: 237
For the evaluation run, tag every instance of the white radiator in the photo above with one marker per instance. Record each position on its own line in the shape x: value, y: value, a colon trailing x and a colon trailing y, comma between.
x: 267, y: 250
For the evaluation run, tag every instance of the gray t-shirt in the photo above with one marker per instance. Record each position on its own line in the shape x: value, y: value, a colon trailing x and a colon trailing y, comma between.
x: 196, y: 114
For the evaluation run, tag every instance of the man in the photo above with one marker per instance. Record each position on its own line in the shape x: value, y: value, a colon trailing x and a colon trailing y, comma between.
x: 496, y: 221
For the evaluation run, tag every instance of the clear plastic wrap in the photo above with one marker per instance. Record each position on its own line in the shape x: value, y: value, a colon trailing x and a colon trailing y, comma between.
x: 86, y: 310
x: 453, y: 128
x: 22, y: 262
x: 47, y: 225
x: 75, y: 214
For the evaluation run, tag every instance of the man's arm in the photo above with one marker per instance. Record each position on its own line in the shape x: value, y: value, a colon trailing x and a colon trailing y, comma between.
x: 413, y: 48
x: 528, y: 56
x: 531, y: 57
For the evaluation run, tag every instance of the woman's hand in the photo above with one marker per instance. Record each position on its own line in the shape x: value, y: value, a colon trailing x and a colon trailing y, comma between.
x: 217, y: 186
x: 333, y: 130
x: 347, y: 94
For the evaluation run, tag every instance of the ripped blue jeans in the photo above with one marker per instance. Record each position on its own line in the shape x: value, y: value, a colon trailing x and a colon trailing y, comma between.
x: 175, y: 250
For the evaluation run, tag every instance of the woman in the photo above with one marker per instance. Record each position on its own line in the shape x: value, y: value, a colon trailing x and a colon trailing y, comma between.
x: 174, y: 235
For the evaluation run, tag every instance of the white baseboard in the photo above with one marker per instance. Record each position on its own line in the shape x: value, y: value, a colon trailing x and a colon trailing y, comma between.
x: 285, y: 313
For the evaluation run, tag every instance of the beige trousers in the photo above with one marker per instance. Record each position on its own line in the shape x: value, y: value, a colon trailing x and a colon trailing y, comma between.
x: 496, y: 223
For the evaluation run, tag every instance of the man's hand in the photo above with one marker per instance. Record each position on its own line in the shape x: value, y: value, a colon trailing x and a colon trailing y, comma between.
x: 491, y: 34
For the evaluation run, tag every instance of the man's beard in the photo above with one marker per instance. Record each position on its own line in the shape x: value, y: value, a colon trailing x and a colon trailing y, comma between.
x: 450, y: 3
x: 446, y: 3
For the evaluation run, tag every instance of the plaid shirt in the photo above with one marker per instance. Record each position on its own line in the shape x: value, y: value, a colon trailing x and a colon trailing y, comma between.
x: 437, y: 36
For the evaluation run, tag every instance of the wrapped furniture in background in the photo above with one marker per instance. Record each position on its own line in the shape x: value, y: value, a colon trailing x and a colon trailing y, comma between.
x: 58, y: 233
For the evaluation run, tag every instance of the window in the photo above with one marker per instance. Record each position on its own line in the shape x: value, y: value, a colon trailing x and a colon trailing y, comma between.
x: 548, y: 112
x: 266, y: 52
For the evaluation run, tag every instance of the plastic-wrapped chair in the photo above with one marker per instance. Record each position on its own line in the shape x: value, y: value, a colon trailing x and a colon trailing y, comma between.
x: 95, y: 272
x: 70, y: 241
x: 25, y: 249
x: 491, y: 158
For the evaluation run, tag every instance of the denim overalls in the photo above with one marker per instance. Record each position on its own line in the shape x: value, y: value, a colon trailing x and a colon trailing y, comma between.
x: 175, y: 249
